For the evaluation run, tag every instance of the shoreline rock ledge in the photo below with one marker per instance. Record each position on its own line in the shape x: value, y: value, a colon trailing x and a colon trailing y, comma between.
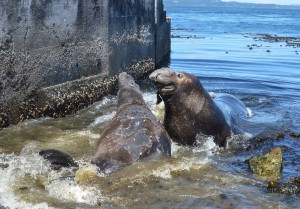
x: 57, y: 56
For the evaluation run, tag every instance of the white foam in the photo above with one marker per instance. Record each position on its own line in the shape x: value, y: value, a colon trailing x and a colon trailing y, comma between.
x: 150, y: 99
x: 165, y: 172
x: 262, y: 100
x: 238, y: 139
x: 205, y: 144
x: 200, y: 156
x: 68, y: 190
x: 157, y: 110
x: 249, y: 112
x: 19, y: 166
x: 213, y: 94
x: 30, y: 163
x: 102, y: 119
x: 105, y: 101
x: 87, y: 133
x: 183, y: 164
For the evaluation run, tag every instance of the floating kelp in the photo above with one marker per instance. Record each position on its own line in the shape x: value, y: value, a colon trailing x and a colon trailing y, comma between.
x: 294, y: 135
x: 290, y: 41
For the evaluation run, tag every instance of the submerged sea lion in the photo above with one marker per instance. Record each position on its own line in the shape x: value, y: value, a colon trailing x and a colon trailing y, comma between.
x: 58, y: 158
x: 133, y: 133
x: 190, y: 110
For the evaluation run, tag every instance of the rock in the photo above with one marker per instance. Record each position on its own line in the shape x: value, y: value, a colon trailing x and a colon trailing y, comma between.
x: 268, y: 166
x: 289, y: 189
x: 292, y: 187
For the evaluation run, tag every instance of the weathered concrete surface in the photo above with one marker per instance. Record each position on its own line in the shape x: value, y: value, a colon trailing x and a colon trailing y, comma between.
x: 163, y: 43
x: 58, y: 56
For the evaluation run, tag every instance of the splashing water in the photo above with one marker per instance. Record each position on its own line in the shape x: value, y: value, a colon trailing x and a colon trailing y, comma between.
x: 29, y: 172
x: 30, y: 164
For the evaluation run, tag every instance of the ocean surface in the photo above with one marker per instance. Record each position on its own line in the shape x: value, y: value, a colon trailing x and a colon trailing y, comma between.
x: 229, y: 51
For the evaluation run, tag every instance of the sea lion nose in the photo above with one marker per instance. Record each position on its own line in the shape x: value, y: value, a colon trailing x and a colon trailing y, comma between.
x: 122, y: 75
x: 153, y: 76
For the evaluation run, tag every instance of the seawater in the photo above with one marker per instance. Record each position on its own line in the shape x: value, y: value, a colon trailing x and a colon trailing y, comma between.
x: 213, y: 44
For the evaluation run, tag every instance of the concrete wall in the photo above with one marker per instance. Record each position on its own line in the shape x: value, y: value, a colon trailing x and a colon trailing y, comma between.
x: 58, y: 56
x: 162, y: 31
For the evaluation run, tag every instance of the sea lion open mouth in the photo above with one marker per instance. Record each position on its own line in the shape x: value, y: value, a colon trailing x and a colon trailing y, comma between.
x: 166, y: 89
x: 163, y: 80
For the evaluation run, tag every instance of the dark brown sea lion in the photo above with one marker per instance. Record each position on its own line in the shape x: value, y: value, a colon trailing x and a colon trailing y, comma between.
x: 133, y: 133
x: 190, y: 110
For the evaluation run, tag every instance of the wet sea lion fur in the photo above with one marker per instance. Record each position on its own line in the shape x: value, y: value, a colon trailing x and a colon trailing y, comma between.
x: 133, y: 134
x: 190, y: 110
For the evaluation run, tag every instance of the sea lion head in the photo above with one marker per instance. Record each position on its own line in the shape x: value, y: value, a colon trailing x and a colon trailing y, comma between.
x: 129, y: 91
x: 171, y: 83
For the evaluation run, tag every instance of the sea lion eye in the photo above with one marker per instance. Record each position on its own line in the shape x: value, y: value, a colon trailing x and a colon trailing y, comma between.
x: 179, y: 75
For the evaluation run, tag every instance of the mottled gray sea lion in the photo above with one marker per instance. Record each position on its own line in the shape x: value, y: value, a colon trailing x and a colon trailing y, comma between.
x: 190, y: 110
x: 133, y: 133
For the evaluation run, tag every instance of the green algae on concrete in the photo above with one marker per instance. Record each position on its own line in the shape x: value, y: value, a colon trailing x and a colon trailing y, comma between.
x: 267, y: 166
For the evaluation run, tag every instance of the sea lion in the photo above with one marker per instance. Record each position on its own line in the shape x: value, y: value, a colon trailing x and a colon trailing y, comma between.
x: 58, y: 158
x: 133, y: 133
x: 190, y: 110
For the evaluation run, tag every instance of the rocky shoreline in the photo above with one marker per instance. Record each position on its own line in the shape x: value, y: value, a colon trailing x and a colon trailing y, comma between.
x: 268, y: 167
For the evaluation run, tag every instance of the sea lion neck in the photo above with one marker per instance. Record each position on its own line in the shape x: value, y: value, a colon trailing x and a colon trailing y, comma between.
x: 129, y: 92
x: 131, y: 102
x: 129, y: 96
